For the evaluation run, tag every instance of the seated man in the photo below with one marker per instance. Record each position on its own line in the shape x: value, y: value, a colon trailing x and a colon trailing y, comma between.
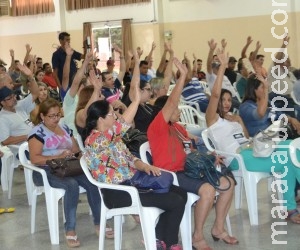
x: 112, y: 88
x: 229, y: 72
x: 144, y: 71
x: 14, y: 116
x: 194, y: 92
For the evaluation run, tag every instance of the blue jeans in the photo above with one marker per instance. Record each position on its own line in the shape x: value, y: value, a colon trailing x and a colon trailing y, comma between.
x: 71, y: 186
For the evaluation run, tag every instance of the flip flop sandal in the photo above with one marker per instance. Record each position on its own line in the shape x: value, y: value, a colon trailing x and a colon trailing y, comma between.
x: 293, y: 216
x: 109, y: 233
x: 72, y: 241
x: 7, y: 210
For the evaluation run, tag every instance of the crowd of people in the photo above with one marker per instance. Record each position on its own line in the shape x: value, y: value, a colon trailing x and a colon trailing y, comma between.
x: 49, y: 108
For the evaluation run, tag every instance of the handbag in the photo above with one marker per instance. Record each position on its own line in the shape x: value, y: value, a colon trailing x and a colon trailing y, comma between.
x: 65, y: 167
x: 264, y: 143
x: 133, y: 139
x: 150, y: 183
x: 200, y: 165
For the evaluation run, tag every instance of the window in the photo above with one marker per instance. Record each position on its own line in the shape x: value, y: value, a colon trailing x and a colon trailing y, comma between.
x: 105, y: 35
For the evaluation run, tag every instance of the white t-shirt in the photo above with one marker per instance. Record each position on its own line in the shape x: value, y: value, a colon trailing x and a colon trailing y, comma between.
x: 226, y: 84
x: 69, y: 107
x: 227, y: 136
x: 17, y: 123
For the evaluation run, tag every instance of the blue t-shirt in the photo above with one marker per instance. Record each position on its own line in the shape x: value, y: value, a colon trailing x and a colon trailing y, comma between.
x: 253, y: 122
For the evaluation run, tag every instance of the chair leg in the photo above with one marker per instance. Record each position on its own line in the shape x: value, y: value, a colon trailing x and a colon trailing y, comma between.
x: 102, y: 226
x: 33, y: 211
x: 29, y: 186
x: 251, y: 195
x: 148, y: 227
x: 11, y: 170
x: 52, y: 212
x: 238, y: 192
x: 118, y: 231
x: 185, y: 227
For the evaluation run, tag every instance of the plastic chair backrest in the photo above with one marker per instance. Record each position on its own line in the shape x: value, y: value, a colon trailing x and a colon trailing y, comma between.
x: 294, y: 147
x: 190, y: 115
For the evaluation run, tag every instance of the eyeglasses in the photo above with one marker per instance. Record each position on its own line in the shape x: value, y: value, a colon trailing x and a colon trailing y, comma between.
x: 9, y: 98
x: 111, y: 114
x: 148, y: 89
x: 58, y: 115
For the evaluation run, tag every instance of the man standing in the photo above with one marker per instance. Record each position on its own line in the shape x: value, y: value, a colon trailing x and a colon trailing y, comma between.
x: 58, y: 61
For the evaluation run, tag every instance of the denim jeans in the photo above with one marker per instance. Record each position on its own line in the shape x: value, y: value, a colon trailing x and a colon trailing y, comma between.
x: 71, y: 186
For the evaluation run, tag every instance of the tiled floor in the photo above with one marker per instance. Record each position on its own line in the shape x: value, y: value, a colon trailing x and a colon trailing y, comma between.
x: 15, y: 227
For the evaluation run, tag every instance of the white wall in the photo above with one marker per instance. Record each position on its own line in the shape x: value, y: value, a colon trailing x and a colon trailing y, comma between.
x: 191, y: 10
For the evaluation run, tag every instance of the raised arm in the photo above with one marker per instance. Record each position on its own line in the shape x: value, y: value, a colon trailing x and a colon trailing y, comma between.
x: 162, y: 62
x: 28, y: 50
x: 32, y: 85
x: 97, y: 83
x: 134, y: 92
x: 79, y: 74
x: 245, y: 48
x: 122, y: 63
x: 279, y: 55
x: 149, y: 56
x: 211, y: 111
x: 66, y: 69
x: 12, y: 63
x: 168, y: 72
x: 253, y: 55
x: 262, y: 100
x: 173, y: 100
x: 212, y: 46
x: 189, y: 68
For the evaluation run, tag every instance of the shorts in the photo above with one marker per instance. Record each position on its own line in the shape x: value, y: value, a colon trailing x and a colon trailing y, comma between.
x: 189, y: 184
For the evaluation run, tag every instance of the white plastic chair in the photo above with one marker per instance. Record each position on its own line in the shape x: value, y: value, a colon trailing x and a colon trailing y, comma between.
x: 294, y: 98
x: 7, y: 163
x: 250, y: 180
x: 205, y: 87
x: 189, y: 115
x: 80, y: 142
x: 148, y: 215
x: 52, y: 195
x: 193, y: 104
x: 185, y: 226
x: 171, y: 87
x: 294, y: 145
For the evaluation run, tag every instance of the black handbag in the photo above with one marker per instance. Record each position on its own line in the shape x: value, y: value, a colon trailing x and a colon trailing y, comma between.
x: 200, y: 165
x: 133, y: 139
x: 65, y: 167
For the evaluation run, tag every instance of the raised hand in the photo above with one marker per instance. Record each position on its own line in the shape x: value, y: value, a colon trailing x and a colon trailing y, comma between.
x: 28, y: 48
x: 139, y: 51
x: 95, y: 81
x: 249, y: 40
x: 181, y: 67
x: 26, y: 71
x: 212, y: 44
x: 117, y: 48
x: 258, y: 45
x: 129, y: 53
x: 89, y: 56
x: 222, y: 56
x: 153, y: 46
x: 194, y: 56
x: 223, y: 43
x: 286, y: 40
x: 12, y: 53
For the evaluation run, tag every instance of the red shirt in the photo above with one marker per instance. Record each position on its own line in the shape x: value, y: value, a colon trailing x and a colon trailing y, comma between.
x: 166, y: 147
x: 50, y: 81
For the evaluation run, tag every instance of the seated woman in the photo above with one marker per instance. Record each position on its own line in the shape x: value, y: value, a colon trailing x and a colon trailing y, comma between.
x: 50, y: 140
x: 226, y: 132
x: 43, y: 95
x: 102, y: 129
x: 166, y: 139
x: 255, y: 110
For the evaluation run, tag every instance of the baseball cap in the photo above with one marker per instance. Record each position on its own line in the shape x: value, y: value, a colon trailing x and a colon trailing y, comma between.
x: 5, y: 92
x: 110, y: 62
x: 232, y: 59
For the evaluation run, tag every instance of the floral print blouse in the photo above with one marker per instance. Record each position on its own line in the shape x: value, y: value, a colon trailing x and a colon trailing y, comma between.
x: 107, y: 157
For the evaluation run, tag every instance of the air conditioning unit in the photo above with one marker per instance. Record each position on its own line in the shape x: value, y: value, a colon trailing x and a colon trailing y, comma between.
x: 4, y: 8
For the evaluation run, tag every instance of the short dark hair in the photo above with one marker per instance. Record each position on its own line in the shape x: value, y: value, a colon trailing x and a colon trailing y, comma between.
x: 38, y: 58
x: 45, y: 65
x: 62, y: 35
x: 252, y: 84
x: 240, y: 66
x: 143, y: 62
x: 259, y: 56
